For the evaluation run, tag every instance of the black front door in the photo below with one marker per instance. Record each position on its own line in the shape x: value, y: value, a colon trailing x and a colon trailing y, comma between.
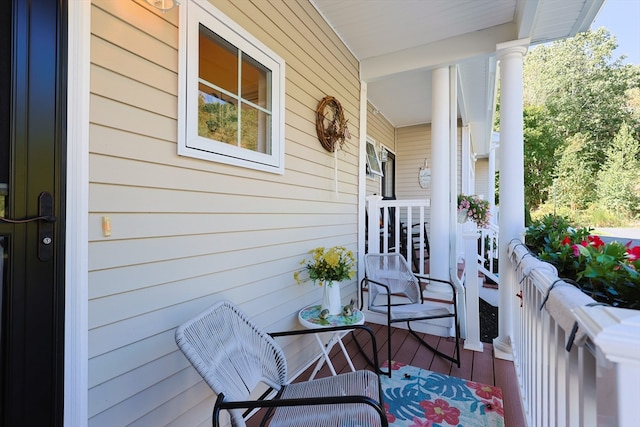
x: 32, y: 108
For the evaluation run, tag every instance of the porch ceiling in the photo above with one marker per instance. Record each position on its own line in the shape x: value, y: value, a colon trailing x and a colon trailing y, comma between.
x: 399, y: 42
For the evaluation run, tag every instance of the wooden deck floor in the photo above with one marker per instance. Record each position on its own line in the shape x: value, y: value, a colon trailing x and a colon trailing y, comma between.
x: 475, y: 366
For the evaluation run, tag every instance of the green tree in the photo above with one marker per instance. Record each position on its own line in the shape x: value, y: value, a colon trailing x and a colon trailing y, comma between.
x: 584, y: 96
x: 540, y: 145
x: 575, y: 183
x: 581, y: 85
x: 618, y: 186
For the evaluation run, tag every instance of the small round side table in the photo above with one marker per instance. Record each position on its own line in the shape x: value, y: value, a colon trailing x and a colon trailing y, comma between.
x: 309, y: 317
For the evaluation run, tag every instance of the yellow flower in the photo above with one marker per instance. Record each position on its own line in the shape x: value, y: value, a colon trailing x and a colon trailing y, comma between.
x: 325, y: 266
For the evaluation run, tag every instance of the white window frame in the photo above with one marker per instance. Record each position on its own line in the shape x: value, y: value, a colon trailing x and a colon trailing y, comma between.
x: 192, y: 14
x: 372, y: 170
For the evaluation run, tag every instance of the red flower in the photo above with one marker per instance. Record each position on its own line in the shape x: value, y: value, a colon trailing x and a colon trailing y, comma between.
x: 439, y: 411
x: 494, y: 405
x: 566, y: 241
x: 394, y: 365
x: 596, y: 241
x: 485, y: 391
x: 633, y: 253
x: 390, y: 417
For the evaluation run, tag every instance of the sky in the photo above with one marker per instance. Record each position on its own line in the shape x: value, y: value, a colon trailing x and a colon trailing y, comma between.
x: 622, y: 19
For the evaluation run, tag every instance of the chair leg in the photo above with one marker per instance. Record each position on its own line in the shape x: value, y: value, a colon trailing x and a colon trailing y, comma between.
x: 455, y: 358
x: 364, y: 354
x: 388, y: 349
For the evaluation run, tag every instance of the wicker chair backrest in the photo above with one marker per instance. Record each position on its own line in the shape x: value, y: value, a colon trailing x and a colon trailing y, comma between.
x: 392, y: 270
x: 231, y: 353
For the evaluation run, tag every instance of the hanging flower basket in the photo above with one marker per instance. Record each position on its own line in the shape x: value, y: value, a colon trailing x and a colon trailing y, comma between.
x: 475, y: 208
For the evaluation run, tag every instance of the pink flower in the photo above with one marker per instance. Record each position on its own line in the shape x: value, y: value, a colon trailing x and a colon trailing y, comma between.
x: 439, y: 411
x: 576, y: 250
x: 485, y: 391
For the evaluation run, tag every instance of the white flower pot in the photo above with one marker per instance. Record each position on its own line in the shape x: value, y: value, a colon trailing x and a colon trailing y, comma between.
x: 463, y: 216
x: 331, y: 297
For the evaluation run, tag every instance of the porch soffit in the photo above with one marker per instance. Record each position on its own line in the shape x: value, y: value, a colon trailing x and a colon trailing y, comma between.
x: 398, y: 43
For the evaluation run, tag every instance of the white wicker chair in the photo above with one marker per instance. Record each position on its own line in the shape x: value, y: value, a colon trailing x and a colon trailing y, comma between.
x: 234, y: 356
x: 395, y: 291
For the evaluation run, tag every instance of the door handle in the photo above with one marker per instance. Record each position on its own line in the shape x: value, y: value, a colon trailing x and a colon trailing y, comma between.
x: 45, y: 226
x: 45, y: 220
x: 40, y: 217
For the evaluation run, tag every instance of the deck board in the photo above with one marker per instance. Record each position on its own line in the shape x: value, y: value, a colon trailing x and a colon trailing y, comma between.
x: 475, y: 366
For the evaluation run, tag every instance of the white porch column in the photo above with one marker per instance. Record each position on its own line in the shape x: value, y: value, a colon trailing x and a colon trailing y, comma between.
x: 511, y: 221
x: 492, y: 178
x: 440, y: 198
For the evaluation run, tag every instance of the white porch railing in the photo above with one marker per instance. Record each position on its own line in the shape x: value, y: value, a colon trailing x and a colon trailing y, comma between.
x: 399, y: 215
x: 596, y: 382
x: 488, y: 252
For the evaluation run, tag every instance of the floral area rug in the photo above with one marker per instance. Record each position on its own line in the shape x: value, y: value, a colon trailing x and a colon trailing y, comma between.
x: 416, y: 397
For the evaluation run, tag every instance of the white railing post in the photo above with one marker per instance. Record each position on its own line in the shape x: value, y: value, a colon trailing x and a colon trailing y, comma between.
x: 471, y: 281
x: 373, y: 224
x: 616, y: 334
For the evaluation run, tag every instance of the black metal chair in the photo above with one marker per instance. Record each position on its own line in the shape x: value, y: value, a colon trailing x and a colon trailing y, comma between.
x: 395, y: 291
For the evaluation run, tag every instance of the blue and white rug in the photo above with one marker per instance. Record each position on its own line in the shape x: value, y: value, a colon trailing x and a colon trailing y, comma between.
x: 416, y: 397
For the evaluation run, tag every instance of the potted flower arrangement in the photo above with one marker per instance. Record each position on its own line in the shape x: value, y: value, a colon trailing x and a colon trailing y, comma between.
x: 473, y: 208
x: 608, y: 272
x: 328, y: 267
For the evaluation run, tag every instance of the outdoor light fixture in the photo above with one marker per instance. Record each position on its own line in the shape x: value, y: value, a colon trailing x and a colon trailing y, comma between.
x: 383, y: 154
x: 163, y: 5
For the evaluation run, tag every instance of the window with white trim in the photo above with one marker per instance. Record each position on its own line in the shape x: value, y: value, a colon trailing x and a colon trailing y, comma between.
x: 231, y: 93
x: 373, y: 161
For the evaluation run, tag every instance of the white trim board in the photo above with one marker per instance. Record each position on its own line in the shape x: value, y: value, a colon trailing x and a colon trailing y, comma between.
x: 77, y: 185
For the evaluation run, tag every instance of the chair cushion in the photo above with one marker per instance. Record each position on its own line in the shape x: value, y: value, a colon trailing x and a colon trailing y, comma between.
x: 353, y: 383
x: 412, y: 311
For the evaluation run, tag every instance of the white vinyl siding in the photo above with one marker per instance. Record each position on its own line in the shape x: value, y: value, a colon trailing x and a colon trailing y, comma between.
x: 482, y: 177
x: 187, y: 232
x: 413, y: 146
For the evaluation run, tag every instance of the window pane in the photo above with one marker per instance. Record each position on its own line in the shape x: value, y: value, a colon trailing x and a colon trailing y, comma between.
x: 217, y: 116
x: 218, y: 63
x: 256, y: 79
x: 372, y: 159
x: 256, y: 128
